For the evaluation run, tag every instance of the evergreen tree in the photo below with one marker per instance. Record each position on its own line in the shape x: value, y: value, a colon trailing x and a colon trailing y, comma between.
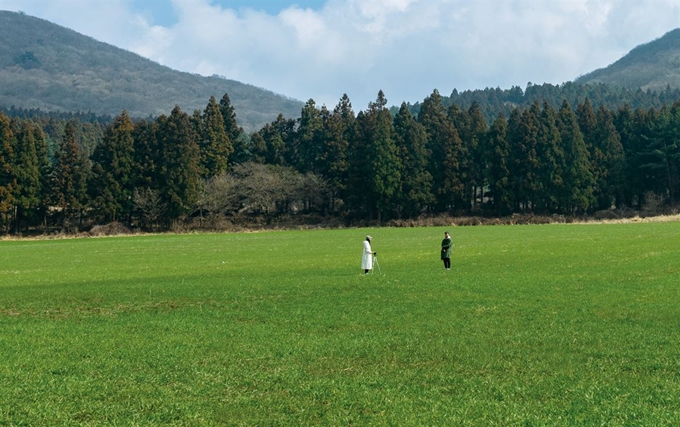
x: 626, y: 122
x: 278, y: 137
x: 472, y: 128
x: 179, y: 164
x: 88, y: 135
x: 446, y: 150
x: 30, y: 167
x: 671, y: 139
x: 461, y: 121
x: 7, y: 177
x: 550, y: 157
x: 498, y: 171
x: 587, y: 122
x: 113, y: 172
x: 258, y: 145
x: 147, y: 154
x: 231, y: 127
x: 577, y: 194
x: 69, y: 176
x: 608, y: 161
x: 235, y: 133
x: 383, y: 156
x: 215, y: 145
x: 416, y: 181
x: 241, y: 152
x: 378, y: 179
x: 660, y: 152
x: 308, y: 140
x: 523, y: 138
x: 339, y: 129
x: 358, y: 170
x: 478, y: 129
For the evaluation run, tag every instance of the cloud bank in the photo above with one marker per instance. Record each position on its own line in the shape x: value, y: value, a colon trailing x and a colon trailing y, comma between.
x: 407, y: 48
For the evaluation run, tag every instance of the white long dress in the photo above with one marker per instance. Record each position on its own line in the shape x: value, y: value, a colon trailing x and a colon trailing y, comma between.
x: 367, y: 257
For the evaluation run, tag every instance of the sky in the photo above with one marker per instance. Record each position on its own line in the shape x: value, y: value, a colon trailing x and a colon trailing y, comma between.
x: 322, y: 49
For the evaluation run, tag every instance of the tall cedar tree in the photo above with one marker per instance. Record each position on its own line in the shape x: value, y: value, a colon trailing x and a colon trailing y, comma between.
x: 237, y: 137
x: 215, y: 145
x: 587, y: 123
x: 178, y: 163
x: 671, y: 147
x: 660, y: 152
x: 461, y: 121
x: 653, y: 155
x: 577, y: 194
x: 196, y: 120
x: 69, y: 176
x: 30, y: 165
x: 497, y: 155
x: 146, y: 154
x: 339, y: 128
x: 375, y: 163
x: 551, y: 161
x: 382, y: 155
x: 626, y: 122
x: 416, y: 181
x: 639, y: 161
x: 7, y: 178
x: 258, y: 144
x: 278, y: 136
x: 608, y: 161
x: 478, y: 129
x: 113, y: 171
x: 45, y: 148
x: 308, y: 141
x: 472, y: 127
x: 89, y: 135
x: 523, y: 139
x: 445, y: 146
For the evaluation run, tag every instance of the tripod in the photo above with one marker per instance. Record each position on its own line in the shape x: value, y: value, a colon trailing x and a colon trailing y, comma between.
x: 375, y: 261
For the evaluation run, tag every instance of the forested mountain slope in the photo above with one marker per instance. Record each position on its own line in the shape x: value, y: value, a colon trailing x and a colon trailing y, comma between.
x: 46, y: 66
x: 653, y: 66
x: 647, y: 77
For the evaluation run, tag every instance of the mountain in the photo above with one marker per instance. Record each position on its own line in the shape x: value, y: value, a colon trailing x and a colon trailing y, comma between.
x: 654, y: 65
x: 46, y: 66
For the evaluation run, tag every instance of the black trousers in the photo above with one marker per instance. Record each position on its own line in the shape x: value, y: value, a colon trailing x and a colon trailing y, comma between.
x: 447, y: 262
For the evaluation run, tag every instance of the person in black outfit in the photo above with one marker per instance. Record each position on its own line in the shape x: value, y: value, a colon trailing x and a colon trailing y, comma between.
x: 446, y: 250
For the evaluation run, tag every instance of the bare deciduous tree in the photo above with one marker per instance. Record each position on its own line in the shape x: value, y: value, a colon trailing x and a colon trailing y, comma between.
x: 259, y: 188
x: 149, y: 203
x: 262, y: 189
x: 218, y: 195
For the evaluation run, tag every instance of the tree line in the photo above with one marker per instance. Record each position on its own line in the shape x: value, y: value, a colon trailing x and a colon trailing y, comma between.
x: 494, y: 101
x: 377, y: 164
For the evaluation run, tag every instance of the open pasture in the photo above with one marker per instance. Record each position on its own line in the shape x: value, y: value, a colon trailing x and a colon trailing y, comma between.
x: 533, y: 326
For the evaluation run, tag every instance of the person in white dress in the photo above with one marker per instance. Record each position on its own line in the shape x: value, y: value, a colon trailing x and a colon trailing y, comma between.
x: 367, y: 256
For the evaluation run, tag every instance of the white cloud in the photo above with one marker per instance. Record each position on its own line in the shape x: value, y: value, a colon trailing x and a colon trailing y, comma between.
x: 405, y: 47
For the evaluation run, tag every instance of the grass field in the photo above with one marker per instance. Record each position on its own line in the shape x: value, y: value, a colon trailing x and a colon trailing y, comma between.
x: 533, y: 326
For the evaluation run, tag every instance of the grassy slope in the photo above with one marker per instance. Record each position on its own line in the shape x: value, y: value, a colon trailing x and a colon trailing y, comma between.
x: 652, y: 65
x: 534, y: 325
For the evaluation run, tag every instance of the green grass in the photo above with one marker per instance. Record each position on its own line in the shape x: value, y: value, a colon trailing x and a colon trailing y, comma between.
x: 533, y: 326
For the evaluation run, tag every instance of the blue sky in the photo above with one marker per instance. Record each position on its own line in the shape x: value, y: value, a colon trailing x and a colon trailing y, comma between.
x: 321, y: 49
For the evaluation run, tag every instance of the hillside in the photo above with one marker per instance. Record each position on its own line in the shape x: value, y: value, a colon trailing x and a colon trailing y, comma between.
x: 653, y: 65
x: 46, y: 66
